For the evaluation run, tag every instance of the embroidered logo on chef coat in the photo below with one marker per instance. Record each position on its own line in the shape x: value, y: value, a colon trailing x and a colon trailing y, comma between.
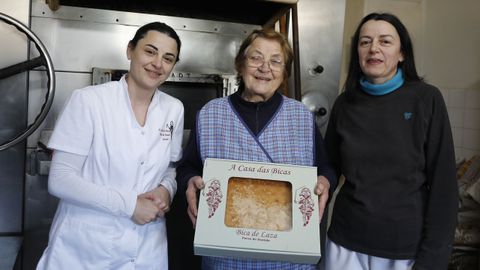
x: 170, y: 127
x: 167, y: 132
x: 407, y: 115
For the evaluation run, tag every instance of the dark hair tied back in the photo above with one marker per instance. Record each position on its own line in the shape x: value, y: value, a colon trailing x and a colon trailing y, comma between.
x: 159, y: 27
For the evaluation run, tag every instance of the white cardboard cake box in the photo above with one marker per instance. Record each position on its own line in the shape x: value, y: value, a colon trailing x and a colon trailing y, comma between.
x: 299, y: 244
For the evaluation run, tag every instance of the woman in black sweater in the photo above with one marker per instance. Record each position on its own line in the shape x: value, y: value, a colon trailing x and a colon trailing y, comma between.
x: 389, y: 135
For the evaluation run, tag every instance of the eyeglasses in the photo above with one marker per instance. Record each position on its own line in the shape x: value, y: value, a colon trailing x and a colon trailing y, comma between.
x: 257, y: 61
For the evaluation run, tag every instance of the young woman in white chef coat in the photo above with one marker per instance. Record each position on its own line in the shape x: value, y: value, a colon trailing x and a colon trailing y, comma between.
x: 113, y: 148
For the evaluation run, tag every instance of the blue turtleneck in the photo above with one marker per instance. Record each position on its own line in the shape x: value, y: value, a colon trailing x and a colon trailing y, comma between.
x: 384, y: 88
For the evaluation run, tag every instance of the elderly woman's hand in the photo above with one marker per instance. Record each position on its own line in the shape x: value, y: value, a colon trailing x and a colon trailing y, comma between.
x: 321, y: 189
x: 194, y: 185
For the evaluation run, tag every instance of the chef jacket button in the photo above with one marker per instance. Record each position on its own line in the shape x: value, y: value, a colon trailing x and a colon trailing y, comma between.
x: 132, y: 260
x: 141, y: 163
x: 142, y: 132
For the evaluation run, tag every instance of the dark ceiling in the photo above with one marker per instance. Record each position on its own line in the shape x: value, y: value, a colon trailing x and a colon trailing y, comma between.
x: 243, y: 11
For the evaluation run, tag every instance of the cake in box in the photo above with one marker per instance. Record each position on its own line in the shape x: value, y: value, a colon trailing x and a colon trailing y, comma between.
x: 258, y: 210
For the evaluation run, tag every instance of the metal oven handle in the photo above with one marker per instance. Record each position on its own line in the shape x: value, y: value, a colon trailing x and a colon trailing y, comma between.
x: 42, y: 60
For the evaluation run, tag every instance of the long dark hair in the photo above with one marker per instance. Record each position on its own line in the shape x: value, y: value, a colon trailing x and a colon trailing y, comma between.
x: 159, y: 27
x: 352, y: 82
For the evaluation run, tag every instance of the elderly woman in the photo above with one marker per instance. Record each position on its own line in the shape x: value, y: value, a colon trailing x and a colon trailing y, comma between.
x: 255, y: 124
x: 113, y: 147
x: 389, y: 135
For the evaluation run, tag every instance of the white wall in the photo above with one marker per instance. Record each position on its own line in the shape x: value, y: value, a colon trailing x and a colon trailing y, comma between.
x: 452, y: 63
x: 353, y: 14
x: 446, y: 39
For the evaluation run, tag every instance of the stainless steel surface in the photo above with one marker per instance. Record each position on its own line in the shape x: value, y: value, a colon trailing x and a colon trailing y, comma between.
x: 9, y: 247
x: 321, y: 35
x: 103, y: 75
x: 70, y: 28
x: 231, y: 11
x: 11, y: 189
x: 42, y: 164
x: 106, y: 16
x: 13, y: 118
x: 40, y: 208
x: 317, y: 103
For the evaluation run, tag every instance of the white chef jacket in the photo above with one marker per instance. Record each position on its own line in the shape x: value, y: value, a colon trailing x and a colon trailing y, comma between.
x: 92, y: 228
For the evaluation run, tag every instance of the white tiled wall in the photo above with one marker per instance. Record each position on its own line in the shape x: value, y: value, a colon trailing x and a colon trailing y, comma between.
x: 464, y: 113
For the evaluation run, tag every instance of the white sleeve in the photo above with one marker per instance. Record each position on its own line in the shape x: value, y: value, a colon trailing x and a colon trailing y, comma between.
x: 66, y: 183
x: 168, y: 177
x: 75, y: 124
x: 168, y: 180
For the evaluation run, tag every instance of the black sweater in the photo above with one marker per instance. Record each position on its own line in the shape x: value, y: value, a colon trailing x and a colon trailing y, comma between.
x: 256, y: 116
x: 399, y: 200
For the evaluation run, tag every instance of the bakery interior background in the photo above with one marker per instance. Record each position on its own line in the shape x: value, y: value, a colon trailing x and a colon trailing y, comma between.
x: 446, y: 36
